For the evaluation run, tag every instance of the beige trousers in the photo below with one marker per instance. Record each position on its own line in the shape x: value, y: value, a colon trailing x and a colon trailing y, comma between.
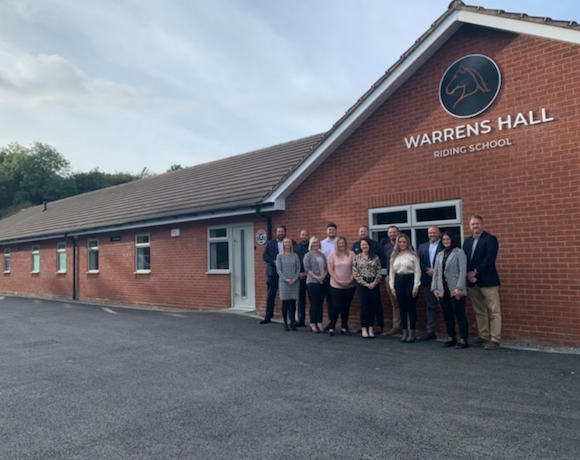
x: 396, y: 310
x: 485, y: 302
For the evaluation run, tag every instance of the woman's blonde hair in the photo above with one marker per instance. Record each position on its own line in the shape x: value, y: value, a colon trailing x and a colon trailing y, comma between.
x: 291, y: 246
x: 313, y: 239
x: 397, y: 251
x: 340, y: 238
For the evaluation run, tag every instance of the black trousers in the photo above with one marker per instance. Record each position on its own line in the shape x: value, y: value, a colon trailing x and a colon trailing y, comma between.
x: 272, y: 284
x: 379, y: 310
x: 454, y: 309
x: 302, y: 301
x: 369, y: 299
x: 328, y: 296
x: 316, y: 294
x: 289, y: 310
x: 407, y: 303
x: 341, y: 300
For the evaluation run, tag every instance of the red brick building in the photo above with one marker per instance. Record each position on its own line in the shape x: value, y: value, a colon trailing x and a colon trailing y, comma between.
x: 404, y: 154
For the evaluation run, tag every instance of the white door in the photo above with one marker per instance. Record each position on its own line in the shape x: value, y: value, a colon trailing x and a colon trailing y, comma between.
x: 243, y: 295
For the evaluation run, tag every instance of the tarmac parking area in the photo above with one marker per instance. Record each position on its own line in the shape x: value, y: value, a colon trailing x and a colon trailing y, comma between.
x: 83, y: 381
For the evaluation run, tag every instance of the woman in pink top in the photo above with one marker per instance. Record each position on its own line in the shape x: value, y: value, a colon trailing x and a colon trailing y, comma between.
x: 342, y: 286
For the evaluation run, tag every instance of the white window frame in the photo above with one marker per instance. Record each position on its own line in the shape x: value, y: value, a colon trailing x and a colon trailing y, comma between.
x: 95, y: 250
x: 141, y: 246
x: 60, y: 250
x: 35, y: 253
x: 219, y: 239
x: 6, y: 262
x: 412, y: 224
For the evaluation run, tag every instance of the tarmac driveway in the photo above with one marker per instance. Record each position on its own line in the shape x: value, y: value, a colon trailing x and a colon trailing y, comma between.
x: 86, y: 382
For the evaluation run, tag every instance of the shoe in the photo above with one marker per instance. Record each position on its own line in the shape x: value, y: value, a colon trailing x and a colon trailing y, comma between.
x: 300, y: 324
x: 491, y: 345
x: 293, y: 327
x: 286, y: 328
x: 330, y: 332
x: 393, y: 331
x: 428, y: 336
x: 461, y: 344
x: 405, y: 335
x: 345, y: 332
x: 371, y: 333
x: 319, y: 327
x: 479, y: 340
x: 364, y: 332
x: 451, y: 341
x: 265, y: 321
x: 326, y: 328
x: 313, y: 329
x: 411, y: 337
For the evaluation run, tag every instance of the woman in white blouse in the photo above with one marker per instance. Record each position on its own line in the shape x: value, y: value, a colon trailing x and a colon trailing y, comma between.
x: 404, y: 281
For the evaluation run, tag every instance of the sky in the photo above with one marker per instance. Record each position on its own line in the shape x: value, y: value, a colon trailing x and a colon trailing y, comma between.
x: 123, y: 85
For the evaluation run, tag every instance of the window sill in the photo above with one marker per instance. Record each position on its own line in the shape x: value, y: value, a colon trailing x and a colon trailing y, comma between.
x: 218, y: 272
x: 6, y: 272
x: 141, y: 272
x: 34, y: 273
x: 92, y: 272
x: 61, y: 272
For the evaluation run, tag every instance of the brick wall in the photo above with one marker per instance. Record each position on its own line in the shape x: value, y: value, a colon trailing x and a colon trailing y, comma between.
x: 527, y: 192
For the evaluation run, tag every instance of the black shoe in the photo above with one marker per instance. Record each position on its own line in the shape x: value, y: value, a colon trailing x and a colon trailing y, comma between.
x: 286, y: 328
x: 345, y: 332
x: 293, y: 327
x: 461, y: 344
x: 429, y: 336
x: 450, y: 342
x: 300, y: 324
x: 265, y: 321
x: 330, y: 332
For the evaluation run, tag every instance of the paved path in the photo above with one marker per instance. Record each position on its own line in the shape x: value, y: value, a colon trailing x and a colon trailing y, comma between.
x: 85, y: 382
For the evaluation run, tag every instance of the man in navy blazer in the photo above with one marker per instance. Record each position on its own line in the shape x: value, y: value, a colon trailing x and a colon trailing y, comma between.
x: 271, y: 251
x: 483, y: 283
x: 427, y: 252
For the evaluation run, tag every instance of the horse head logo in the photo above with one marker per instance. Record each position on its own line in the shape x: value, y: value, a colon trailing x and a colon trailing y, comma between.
x: 468, y: 82
x: 469, y: 86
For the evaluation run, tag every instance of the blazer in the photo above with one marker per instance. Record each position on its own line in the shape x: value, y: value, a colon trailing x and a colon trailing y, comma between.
x: 483, y: 259
x: 454, y: 274
x: 423, y: 253
x: 269, y: 256
x: 301, y: 250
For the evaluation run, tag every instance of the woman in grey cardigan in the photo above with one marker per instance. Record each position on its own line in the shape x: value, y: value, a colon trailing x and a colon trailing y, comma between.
x: 316, y: 272
x: 288, y: 267
x: 448, y: 286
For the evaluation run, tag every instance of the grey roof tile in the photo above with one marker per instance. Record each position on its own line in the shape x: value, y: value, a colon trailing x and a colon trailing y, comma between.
x: 235, y: 182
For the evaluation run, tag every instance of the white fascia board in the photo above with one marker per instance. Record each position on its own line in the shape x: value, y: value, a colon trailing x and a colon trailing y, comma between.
x: 521, y: 26
x: 372, y: 102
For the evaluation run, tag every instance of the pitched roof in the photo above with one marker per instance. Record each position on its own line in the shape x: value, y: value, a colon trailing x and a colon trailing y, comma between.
x: 229, y: 185
x: 424, y: 47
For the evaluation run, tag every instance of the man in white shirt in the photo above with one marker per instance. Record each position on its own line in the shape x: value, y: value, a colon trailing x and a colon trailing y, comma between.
x: 327, y: 244
x: 327, y: 247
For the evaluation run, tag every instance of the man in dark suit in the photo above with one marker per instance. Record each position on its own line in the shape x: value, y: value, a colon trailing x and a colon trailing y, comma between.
x: 363, y: 232
x: 427, y: 252
x: 301, y: 248
x: 483, y: 283
x: 273, y: 248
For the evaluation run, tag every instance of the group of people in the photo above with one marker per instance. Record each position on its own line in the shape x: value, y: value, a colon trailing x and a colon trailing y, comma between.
x: 328, y: 269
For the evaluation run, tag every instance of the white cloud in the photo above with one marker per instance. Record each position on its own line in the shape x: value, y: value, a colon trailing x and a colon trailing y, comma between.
x: 53, y: 80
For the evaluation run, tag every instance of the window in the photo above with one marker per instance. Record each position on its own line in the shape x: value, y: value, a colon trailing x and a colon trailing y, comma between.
x: 415, y: 220
x: 218, y: 249
x: 6, y: 260
x: 142, y: 253
x: 61, y: 257
x: 93, y: 255
x: 35, y: 259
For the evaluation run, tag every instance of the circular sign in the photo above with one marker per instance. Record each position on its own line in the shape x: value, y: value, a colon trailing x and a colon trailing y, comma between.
x: 261, y: 237
x: 469, y: 86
